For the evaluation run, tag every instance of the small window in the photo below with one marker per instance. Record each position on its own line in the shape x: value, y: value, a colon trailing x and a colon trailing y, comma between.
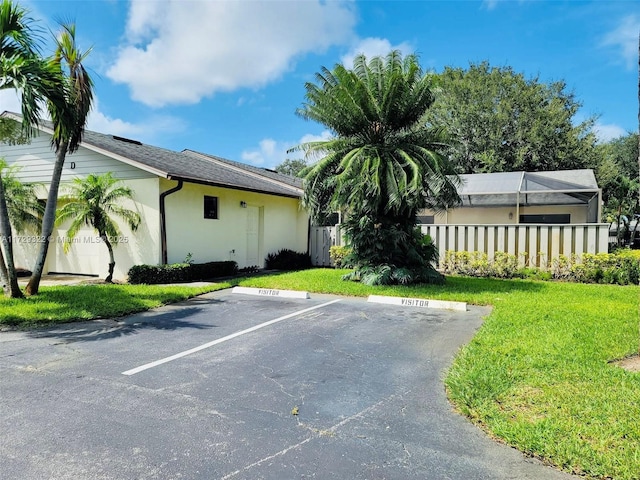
x: 210, y: 207
x: 550, y: 218
x: 425, y: 219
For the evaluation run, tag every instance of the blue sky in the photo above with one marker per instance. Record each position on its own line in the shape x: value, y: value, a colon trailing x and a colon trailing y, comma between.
x: 225, y: 77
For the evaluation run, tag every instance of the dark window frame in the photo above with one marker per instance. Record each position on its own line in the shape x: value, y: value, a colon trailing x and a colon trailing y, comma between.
x: 425, y: 219
x: 546, y: 219
x: 211, y: 208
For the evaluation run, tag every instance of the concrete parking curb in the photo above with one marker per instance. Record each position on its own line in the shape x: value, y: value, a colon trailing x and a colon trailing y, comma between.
x: 418, y: 302
x: 270, y: 292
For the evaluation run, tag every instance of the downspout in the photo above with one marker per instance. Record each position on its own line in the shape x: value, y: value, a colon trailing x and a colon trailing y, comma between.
x: 163, y: 220
x: 518, y: 199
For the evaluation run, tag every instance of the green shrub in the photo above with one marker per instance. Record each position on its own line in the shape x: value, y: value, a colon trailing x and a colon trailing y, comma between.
x: 180, y: 272
x: 205, y: 271
x: 157, y: 274
x: 477, y: 264
x: 621, y: 267
x: 337, y: 255
x: 288, y: 260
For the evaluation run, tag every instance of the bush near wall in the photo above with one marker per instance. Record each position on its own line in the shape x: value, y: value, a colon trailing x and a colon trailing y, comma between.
x: 288, y: 260
x: 621, y: 267
x: 180, y: 272
x: 338, y: 254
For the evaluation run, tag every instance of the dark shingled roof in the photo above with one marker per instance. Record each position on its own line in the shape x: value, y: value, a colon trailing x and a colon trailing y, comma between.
x: 188, y: 165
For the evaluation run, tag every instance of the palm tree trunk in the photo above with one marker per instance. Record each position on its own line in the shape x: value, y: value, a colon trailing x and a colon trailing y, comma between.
x: 4, y: 275
x: 48, y: 220
x: 12, y: 289
x: 112, y: 261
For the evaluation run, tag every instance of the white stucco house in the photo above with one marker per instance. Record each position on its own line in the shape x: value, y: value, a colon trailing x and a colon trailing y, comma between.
x: 190, y: 202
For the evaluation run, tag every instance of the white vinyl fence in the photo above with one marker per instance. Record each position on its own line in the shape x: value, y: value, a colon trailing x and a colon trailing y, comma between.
x: 535, y: 245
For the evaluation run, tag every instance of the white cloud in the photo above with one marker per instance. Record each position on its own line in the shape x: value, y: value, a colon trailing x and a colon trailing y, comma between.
x: 98, y: 121
x: 271, y: 153
x: 147, y: 131
x: 373, y: 47
x: 608, y: 131
x: 625, y: 37
x: 178, y: 53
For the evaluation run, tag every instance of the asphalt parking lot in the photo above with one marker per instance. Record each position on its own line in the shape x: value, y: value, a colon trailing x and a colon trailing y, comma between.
x: 230, y: 386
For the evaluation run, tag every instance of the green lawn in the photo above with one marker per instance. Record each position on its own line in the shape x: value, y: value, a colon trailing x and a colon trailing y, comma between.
x: 538, y: 373
x: 87, y: 302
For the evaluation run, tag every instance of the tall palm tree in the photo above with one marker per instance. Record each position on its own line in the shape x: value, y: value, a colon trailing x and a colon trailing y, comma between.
x: 382, y: 165
x: 69, y: 120
x: 34, y: 78
x: 94, y: 201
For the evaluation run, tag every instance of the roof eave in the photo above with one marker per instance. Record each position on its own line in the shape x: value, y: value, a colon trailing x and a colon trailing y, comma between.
x: 200, y: 181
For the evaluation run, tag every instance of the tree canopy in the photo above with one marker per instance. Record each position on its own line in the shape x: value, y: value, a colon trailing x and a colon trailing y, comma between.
x: 291, y: 167
x: 499, y: 120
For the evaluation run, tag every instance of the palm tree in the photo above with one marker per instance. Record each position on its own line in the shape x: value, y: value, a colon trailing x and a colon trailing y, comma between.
x: 20, y: 211
x: 25, y: 210
x: 21, y: 66
x: 22, y: 69
x: 69, y: 119
x: 381, y: 167
x: 92, y: 202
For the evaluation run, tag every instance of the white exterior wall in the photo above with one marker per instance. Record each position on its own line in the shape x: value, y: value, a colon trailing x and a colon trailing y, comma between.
x: 500, y: 215
x: 281, y: 224
x: 87, y: 255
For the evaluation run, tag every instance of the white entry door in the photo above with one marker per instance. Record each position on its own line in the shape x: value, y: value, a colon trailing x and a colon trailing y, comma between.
x: 253, y: 237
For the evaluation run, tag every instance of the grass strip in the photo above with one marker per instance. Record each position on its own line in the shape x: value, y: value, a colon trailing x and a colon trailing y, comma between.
x: 87, y: 302
x: 537, y: 374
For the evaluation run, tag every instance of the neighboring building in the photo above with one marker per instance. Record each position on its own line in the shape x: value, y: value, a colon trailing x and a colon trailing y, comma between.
x: 190, y: 202
x: 556, y: 197
x: 535, y: 216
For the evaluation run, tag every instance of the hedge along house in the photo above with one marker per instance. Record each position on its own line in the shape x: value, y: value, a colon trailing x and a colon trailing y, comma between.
x: 537, y: 216
x: 190, y: 203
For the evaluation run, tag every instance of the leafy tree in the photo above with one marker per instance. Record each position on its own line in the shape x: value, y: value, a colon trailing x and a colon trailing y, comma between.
x: 617, y: 175
x: 498, y: 120
x: 291, y: 167
x: 69, y: 119
x: 22, y: 69
x: 382, y: 165
x: 94, y: 201
x: 622, y: 203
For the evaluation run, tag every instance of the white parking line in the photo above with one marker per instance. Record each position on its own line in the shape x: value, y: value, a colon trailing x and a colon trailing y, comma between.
x: 147, y: 366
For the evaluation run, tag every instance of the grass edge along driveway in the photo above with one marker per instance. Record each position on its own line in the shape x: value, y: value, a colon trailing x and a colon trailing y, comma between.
x: 537, y: 375
x: 88, y: 302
